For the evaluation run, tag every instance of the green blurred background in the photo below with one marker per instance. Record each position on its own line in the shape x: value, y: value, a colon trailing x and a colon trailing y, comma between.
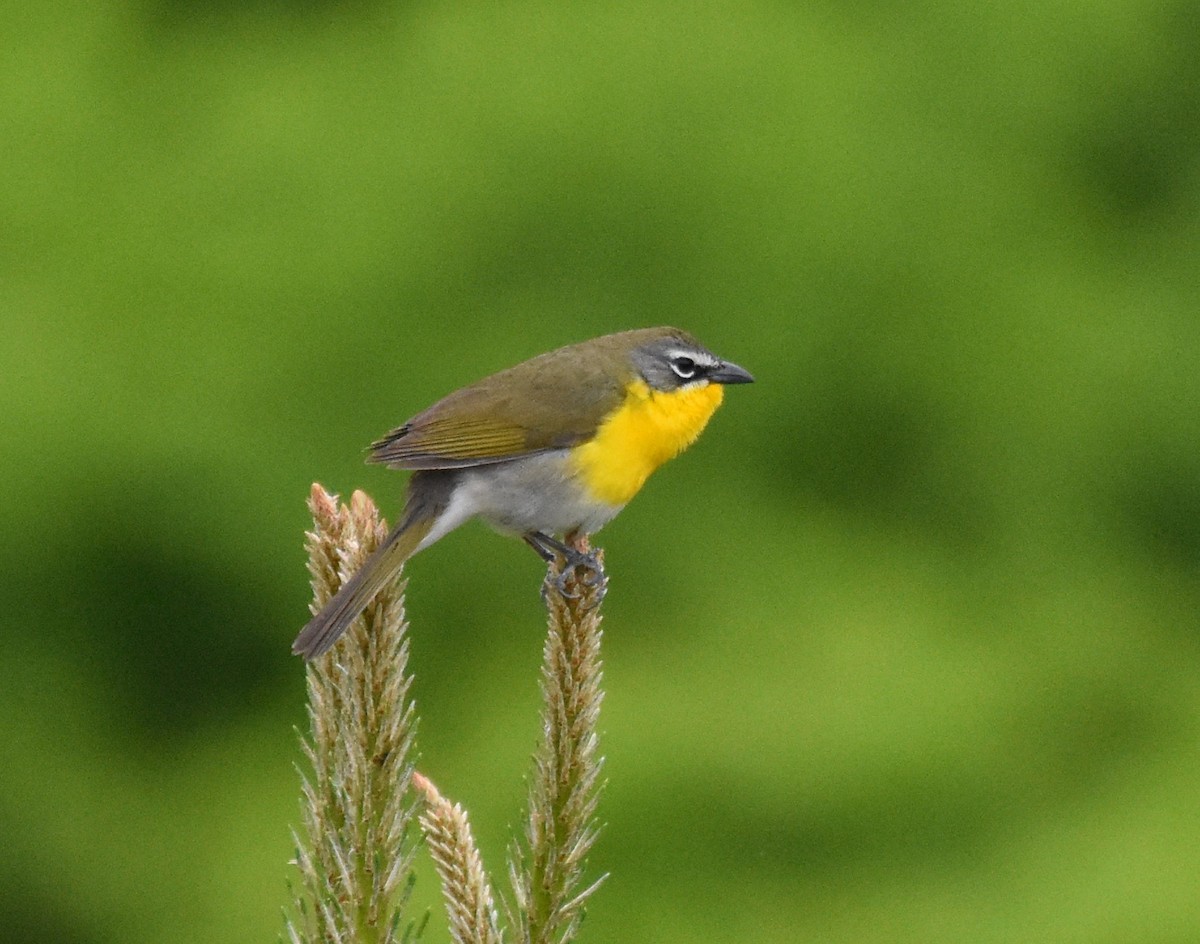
x: 906, y: 649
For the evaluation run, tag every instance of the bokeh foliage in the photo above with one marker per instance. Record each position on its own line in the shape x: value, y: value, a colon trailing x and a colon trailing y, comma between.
x: 906, y: 649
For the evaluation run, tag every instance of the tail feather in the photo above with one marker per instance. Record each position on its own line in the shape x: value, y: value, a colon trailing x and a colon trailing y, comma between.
x: 382, y: 567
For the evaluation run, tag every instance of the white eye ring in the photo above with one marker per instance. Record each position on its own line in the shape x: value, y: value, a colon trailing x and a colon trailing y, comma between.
x: 684, y: 367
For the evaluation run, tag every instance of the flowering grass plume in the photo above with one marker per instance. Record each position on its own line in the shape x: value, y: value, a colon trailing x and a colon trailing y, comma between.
x: 547, y: 865
x: 355, y: 854
x: 465, y: 886
x: 355, y: 851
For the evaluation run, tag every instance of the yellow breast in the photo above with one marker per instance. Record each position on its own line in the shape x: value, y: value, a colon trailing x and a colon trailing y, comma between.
x: 649, y: 428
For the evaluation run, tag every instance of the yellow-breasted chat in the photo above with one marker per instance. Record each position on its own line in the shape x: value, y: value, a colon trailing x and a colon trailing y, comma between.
x: 556, y: 445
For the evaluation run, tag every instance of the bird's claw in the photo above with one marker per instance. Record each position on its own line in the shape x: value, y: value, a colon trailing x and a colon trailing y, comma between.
x: 587, y: 565
x: 568, y: 564
x: 578, y: 566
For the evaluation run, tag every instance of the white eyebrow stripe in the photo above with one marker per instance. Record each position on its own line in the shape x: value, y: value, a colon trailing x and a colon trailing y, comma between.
x: 700, y: 357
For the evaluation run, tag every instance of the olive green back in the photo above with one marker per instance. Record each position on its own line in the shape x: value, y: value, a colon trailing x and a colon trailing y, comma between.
x: 553, y: 401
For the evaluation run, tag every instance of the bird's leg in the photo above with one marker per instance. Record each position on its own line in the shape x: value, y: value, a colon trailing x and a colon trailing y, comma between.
x: 576, y: 555
x: 543, y: 544
x: 550, y: 550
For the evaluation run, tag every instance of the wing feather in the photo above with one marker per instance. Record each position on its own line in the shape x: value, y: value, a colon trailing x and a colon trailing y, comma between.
x: 554, y: 401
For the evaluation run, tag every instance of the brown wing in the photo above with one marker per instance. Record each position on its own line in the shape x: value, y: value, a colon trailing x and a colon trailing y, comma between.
x: 553, y: 401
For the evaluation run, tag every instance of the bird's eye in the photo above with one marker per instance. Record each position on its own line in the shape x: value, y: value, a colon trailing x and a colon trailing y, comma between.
x: 684, y: 367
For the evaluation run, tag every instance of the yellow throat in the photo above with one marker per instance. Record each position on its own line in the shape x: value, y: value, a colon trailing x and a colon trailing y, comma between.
x: 646, y: 430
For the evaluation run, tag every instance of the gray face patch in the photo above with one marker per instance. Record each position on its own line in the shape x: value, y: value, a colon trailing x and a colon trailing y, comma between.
x: 690, y: 364
x: 669, y: 364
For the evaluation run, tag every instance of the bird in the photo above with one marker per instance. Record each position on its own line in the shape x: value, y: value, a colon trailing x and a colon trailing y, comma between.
x: 556, y: 445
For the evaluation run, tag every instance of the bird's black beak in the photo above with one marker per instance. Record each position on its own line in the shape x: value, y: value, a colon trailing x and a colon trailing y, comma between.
x: 730, y: 374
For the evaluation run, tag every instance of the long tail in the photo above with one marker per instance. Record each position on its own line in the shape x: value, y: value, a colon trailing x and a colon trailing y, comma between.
x: 382, y: 567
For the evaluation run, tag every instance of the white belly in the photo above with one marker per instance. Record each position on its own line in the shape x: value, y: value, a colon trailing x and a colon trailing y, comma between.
x: 536, y: 493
